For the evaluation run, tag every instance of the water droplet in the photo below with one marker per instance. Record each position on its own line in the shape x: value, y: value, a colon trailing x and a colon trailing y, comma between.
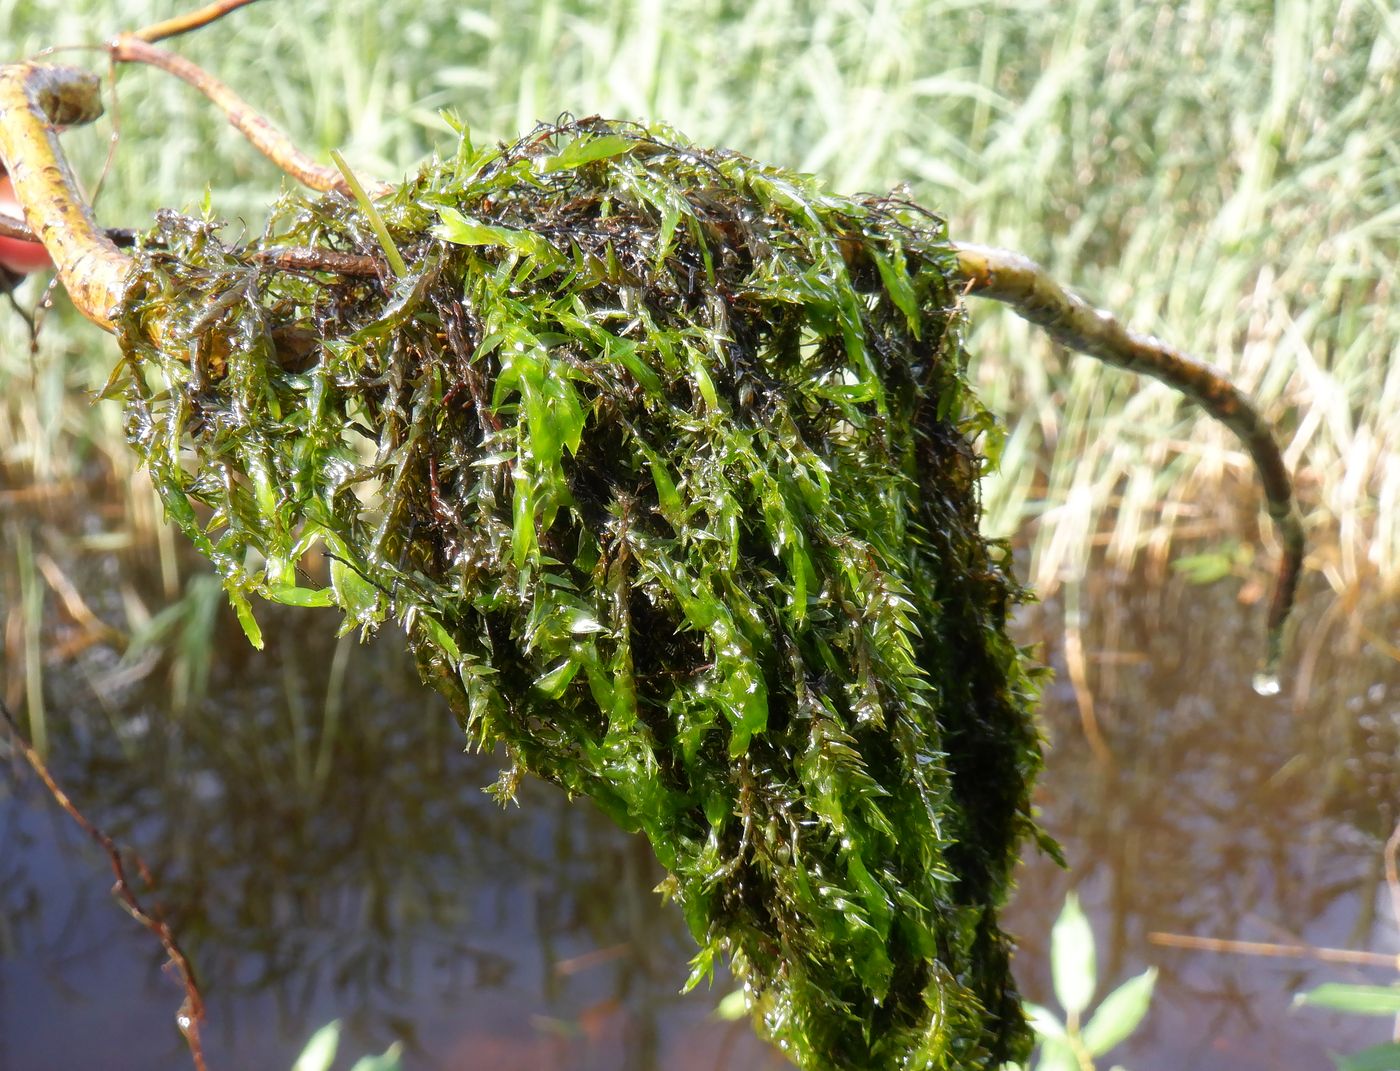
x: 1267, y: 683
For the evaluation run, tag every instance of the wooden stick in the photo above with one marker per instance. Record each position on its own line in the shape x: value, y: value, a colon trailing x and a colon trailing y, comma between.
x: 173, y: 27
x: 1276, y: 951
x: 266, y: 138
x: 35, y: 99
x: 92, y: 269
x: 1073, y: 322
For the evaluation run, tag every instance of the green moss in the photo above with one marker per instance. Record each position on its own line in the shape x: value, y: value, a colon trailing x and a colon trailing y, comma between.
x: 666, y: 462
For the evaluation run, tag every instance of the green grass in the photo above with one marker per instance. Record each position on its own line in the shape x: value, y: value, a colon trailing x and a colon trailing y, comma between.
x: 1224, y: 174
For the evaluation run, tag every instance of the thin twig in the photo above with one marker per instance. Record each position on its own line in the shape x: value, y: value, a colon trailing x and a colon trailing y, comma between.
x: 266, y: 138
x: 1276, y: 951
x: 292, y: 258
x: 191, y: 1013
x: 306, y: 258
x: 11, y: 227
x: 193, y: 20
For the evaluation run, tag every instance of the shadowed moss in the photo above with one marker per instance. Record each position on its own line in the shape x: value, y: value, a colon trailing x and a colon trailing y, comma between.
x: 666, y: 462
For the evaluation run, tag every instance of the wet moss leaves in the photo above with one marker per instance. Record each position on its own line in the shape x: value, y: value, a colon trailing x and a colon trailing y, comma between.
x: 665, y: 461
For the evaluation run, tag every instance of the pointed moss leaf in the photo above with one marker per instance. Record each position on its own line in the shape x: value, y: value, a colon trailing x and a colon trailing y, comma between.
x: 177, y: 505
x: 553, y: 682
x: 461, y: 229
x: 1383, y: 1057
x: 1072, y: 957
x: 266, y: 496
x: 523, y: 521
x: 896, y: 279
x: 702, y: 966
x: 703, y: 383
x: 582, y: 151
x: 319, y: 1053
x: 670, y: 216
x: 1356, y: 999
x: 568, y: 412
x: 625, y: 353
x: 580, y: 622
x: 668, y: 498
x: 356, y: 596
x: 440, y: 637
x: 600, y: 683
x: 244, y: 612
x: 289, y: 595
x: 1120, y: 1013
x: 739, y: 740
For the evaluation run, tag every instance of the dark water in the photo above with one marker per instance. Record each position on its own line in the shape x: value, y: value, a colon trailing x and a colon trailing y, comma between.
x: 324, y: 849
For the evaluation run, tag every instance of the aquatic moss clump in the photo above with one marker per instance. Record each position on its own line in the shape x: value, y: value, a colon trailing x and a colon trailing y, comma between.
x: 666, y: 463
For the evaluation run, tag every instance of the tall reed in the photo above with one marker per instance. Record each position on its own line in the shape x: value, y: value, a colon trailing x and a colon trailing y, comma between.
x: 1224, y: 173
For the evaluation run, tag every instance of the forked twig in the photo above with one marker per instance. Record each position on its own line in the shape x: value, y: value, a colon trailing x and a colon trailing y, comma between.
x: 138, y: 47
x: 191, y: 1013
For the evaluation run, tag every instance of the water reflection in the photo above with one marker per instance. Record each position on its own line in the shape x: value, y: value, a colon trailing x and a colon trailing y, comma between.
x: 1221, y: 813
x: 325, y: 851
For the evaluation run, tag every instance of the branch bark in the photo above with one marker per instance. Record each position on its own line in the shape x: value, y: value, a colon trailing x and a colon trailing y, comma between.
x: 193, y: 20
x: 1073, y: 322
x: 35, y: 99
x: 266, y: 138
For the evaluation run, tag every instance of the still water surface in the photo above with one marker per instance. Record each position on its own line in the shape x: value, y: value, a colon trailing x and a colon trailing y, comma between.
x: 325, y: 851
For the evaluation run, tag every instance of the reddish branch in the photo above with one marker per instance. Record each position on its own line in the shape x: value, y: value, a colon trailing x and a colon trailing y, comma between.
x: 173, y: 27
x: 266, y: 138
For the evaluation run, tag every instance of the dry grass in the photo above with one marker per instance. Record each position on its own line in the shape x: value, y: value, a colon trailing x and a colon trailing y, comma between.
x: 1225, y: 174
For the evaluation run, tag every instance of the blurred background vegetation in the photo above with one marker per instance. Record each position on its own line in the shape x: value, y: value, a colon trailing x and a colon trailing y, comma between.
x: 1225, y: 174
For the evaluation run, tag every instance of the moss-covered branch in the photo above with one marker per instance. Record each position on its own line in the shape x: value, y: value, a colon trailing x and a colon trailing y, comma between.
x: 35, y: 99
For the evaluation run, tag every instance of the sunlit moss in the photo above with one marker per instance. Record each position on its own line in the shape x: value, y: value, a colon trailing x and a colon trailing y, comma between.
x: 666, y: 462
